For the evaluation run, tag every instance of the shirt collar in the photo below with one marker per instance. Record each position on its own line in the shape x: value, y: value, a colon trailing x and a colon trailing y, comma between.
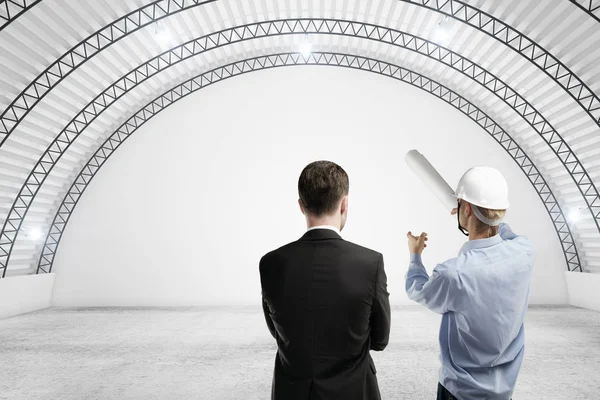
x: 333, y: 228
x: 481, y: 243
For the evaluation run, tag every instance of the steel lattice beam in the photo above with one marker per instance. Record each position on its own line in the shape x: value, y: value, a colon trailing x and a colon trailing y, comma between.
x: 146, y: 15
x: 82, y: 52
x: 189, y: 49
x: 523, y: 45
x: 219, y: 74
x: 591, y: 7
x: 10, y: 10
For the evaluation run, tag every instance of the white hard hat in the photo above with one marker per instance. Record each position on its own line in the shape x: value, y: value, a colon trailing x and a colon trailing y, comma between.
x: 484, y: 187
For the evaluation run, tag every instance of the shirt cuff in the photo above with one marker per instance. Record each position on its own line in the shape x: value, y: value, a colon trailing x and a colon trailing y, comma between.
x: 416, y: 259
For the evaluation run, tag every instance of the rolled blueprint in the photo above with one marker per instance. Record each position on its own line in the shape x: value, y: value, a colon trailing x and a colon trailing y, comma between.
x: 431, y: 178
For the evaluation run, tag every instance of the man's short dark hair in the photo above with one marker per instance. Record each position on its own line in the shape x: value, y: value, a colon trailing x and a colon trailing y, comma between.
x: 321, y: 186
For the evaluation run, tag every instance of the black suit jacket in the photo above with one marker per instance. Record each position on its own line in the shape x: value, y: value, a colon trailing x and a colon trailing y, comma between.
x: 326, y: 303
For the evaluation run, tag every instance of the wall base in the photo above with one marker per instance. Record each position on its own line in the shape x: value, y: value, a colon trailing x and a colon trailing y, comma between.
x: 23, y: 294
x: 583, y: 289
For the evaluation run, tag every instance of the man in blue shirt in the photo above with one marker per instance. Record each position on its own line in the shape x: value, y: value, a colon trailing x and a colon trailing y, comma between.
x: 482, y: 293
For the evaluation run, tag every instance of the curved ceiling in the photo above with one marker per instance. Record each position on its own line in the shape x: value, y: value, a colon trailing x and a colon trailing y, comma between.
x: 79, y: 78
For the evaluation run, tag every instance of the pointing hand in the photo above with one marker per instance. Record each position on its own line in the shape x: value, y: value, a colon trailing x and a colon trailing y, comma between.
x: 416, y: 244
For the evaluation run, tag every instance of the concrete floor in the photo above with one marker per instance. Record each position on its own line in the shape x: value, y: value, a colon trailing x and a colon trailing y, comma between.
x: 226, y: 353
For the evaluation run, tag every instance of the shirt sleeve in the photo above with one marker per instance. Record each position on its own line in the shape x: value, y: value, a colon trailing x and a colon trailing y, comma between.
x: 506, y: 233
x: 438, y: 291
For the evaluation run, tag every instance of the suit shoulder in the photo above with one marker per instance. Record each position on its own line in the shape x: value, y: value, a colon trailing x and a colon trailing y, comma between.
x: 363, y: 249
x: 277, y: 252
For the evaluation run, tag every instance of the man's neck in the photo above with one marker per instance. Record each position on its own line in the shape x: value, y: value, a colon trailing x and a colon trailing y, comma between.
x: 312, y: 224
x: 478, y: 236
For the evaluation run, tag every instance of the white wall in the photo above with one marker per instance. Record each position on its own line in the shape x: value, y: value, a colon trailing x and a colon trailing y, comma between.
x: 582, y: 289
x: 23, y: 294
x: 182, y: 213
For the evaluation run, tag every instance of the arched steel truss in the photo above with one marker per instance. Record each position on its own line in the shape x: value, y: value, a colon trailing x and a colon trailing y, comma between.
x: 157, y: 10
x: 82, y: 52
x: 219, y: 74
x: 591, y: 7
x: 523, y: 45
x: 189, y: 49
x: 12, y: 9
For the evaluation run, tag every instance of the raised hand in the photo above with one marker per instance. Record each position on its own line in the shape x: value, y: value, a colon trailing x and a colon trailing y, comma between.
x: 416, y: 244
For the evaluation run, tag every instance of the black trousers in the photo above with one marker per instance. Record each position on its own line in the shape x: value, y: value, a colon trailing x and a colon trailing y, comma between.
x: 444, y: 394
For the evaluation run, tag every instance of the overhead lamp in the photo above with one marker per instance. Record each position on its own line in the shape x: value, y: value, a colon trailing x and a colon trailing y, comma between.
x: 306, y: 47
x: 574, y: 215
x: 441, y: 32
x: 162, y: 35
x: 34, y: 233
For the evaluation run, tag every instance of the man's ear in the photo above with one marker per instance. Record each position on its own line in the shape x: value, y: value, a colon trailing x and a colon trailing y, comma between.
x: 344, y: 207
x: 301, y: 208
x: 468, y: 209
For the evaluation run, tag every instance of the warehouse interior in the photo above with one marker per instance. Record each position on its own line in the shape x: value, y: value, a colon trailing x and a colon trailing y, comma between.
x: 150, y: 154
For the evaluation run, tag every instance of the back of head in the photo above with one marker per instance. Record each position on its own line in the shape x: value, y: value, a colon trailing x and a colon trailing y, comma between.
x: 482, y: 228
x: 321, y: 186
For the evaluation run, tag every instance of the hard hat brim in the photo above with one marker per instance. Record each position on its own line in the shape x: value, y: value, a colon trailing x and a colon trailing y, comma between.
x: 499, y: 206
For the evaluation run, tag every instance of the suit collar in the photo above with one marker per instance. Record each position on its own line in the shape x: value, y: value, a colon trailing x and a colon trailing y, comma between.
x: 333, y: 228
x: 320, y: 234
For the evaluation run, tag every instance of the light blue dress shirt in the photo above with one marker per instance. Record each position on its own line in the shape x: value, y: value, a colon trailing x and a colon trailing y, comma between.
x: 482, y: 295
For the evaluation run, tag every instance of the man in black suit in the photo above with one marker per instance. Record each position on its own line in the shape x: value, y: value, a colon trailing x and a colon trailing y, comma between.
x: 325, y: 300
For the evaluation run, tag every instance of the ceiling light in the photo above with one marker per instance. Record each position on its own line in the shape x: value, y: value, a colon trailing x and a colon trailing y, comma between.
x: 441, y: 32
x: 574, y: 215
x: 306, y: 48
x: 35, y: 233
x: 163, y: 36
x: 440, y: 35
